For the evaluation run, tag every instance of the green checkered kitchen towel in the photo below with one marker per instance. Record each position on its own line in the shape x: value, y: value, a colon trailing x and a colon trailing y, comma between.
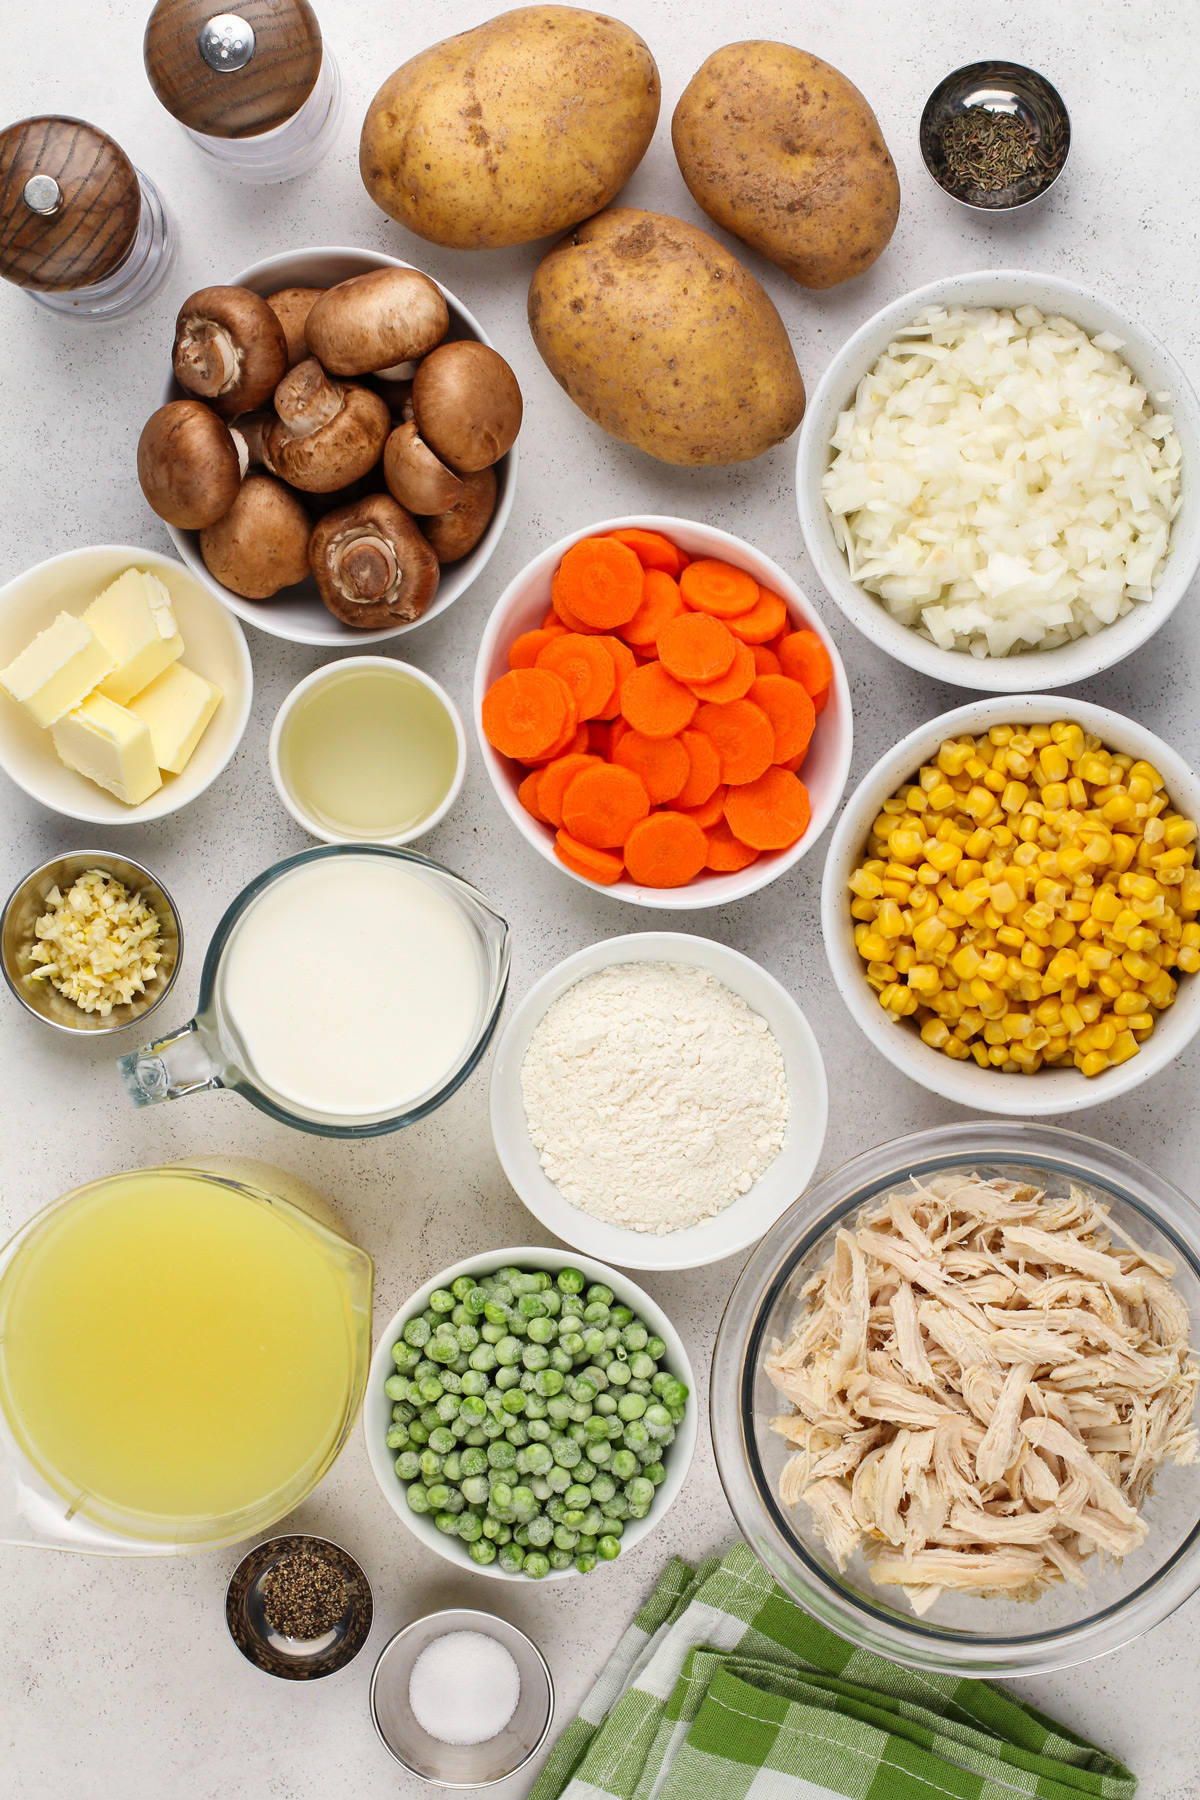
x: 722, y: 1689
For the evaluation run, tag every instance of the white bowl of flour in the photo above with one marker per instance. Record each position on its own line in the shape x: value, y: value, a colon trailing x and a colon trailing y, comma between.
x: 658, y: 1100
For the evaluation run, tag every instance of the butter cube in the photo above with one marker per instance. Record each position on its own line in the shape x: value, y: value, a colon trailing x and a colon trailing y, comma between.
x: 110, y: 747
x: 176, y: 708
x: 58, y: 670
x: 134, y: 621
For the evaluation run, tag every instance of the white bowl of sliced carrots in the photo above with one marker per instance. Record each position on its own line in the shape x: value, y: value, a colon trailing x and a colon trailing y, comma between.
x: 662, y: 712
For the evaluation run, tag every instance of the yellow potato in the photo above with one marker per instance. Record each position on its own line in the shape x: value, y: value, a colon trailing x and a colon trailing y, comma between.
x: 784, y: 152
x: 659, y: 335
x: 513, y: 131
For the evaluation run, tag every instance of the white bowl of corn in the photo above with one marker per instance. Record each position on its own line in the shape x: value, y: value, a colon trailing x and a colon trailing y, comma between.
x: 1011, y: 905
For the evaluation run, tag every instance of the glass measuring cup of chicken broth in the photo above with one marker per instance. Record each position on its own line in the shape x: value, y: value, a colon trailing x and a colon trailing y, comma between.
x: 348, y: 991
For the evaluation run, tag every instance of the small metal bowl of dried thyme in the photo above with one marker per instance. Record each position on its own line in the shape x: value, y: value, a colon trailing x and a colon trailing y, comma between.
x: 90, y: 942
x: 995, y: 136
x: 298, y: 1607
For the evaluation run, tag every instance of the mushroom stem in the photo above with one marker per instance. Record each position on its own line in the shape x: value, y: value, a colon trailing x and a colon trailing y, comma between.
x: 364, y: 567
x: 401, y: 371
x: 306, y: 399
x: 242, y: 448
x: 206, y: 353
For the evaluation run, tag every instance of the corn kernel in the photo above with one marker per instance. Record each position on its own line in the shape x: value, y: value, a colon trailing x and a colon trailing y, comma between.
x: 1094, y: 1063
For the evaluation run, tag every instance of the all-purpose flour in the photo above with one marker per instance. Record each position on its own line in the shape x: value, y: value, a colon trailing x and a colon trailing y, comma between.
x: 654, y: 1095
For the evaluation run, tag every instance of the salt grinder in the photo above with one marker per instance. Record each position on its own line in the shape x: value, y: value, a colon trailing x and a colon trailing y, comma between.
x: 80, y: 227
x: 256, y: 91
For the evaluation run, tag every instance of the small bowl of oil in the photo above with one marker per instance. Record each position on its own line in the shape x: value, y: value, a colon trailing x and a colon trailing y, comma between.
x: 368, y: 750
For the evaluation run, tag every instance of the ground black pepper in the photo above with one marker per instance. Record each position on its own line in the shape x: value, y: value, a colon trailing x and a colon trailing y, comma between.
x: 303, y: 1597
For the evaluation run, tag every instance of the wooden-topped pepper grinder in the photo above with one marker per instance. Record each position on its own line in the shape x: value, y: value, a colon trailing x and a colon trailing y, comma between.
x: 80, y: 227
x: 256, y: 90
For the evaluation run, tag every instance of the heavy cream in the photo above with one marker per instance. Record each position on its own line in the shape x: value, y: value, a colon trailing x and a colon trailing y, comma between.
x: 353, y: 987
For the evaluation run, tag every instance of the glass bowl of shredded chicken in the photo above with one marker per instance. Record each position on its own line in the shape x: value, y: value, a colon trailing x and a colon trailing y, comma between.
x: 953, y: 1396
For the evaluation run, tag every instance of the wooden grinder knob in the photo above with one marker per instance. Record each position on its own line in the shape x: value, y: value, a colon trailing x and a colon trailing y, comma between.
x: 232, y: 74
x: 69, y: 204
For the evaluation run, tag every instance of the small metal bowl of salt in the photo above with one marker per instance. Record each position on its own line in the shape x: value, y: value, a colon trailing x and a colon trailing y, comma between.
x: 90, y: 942
x: 462, y: 1699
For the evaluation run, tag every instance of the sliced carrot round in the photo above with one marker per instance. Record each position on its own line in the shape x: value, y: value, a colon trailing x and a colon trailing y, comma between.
x: 586, y: 666
x: 524, y: 650
x: 652, y: 550
x: 666, y: 850
x: 765, y: 620
x: 710, y: 586
x: 624, y: 663
x: 696, y: 647
x: 804, y: 657
x: 790, y: 711
x: 820, y: 700
x: 662, y: 763
x: 527, y: 795
x: 554, y: 779
x: 570, y: 621
x: 603, y: 804
x: 602, y: 866
x: 705, y: 771
x: 525, y: 713
x: 743, y: 737
x: 770, y: 813
x: 765, y: 661
x: 573, y: 740
x: 600, y: 581
x: 727, y: 854
x: 737, y: 680
x: 655, y: 703
x: 661, y: 602
x: 711, y: 812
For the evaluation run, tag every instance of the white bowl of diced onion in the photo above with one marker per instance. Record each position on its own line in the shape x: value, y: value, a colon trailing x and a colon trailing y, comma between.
x: 1027, y: 531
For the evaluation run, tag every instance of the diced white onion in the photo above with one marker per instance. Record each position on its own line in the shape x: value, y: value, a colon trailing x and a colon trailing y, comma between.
x: 1002, y: 481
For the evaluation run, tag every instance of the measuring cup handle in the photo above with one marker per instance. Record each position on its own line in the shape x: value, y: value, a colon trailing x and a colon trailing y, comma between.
x: 169, y: 1069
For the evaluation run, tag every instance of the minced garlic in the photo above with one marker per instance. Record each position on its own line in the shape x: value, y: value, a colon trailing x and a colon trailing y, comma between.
x: 97, y: 944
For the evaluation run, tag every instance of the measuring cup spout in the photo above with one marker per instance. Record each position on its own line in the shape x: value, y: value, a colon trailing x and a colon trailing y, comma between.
x: 170, y: 1068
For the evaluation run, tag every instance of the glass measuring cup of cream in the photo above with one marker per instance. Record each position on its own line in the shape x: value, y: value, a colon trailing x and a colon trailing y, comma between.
x: 348, y: 991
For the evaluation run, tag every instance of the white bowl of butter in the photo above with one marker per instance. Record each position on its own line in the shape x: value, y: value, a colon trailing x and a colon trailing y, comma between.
x: 134, y: 719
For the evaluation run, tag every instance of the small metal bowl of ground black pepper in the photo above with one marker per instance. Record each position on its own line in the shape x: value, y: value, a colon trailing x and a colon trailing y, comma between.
x: 298, y: 1607
x: 995, y: 136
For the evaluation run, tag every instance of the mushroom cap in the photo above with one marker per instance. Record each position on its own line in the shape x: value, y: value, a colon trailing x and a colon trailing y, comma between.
x: 372, y: 565
x: 414, y: 475
x: 337, y: 452
x: 467, y: 405
x: 230, y: 349
x: 188, y: 464
x: 455, y: 532
x: 376, y: 320
x: 261, y: 545
x: 291, y: 307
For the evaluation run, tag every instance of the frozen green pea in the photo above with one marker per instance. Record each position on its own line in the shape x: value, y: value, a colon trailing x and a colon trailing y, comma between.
x: 452, y: 1467
x: 540, y: 1429
x: 608, y: 1547
x: 657, y: 1420
x: 605, y: 1405
x: 559, y: 1478
x: 570, y: 1343
x: 439, y: 1494
x: 618, y: 1374
x: 601, y: 1294
x: 418, y: 1432
x: 560, y: 1559
x: 448, y: 1407
x: 462, y: 1286
x: 491, y: 1334
x: 483, y: 1552
x: 476, y: 1490
x: 634, y: 1335
x: 446, y: 1523
x: 396, y: 1387
x: 520, y: 1536
x: 507, y: 1378
x: 624, y: 1465
x: 501, y: 1497
x: 511, y: 1558
x: 474, y: 1461
x: 473, y: 1435
x: 541, y: 1531
x: 475, y: 1299
x: 578, y: 1497
x: 417, y: 1496
x: 639, y: 1491
x: 468, y: 1338
x: 655, y: 1473
x: 603, y: 1487
x: 616, y: 1508
x: 560, y: 1361
x: 441, y: 1440
x: 571, y: 1281
x: 641, y: 1366
x: 536, y: 1564
x: 493, y: 1427
x: 600, y: 1453
x: 674, y: 1394
x: 593, y: 1341
x: 566, y: 1451
x: 593, y: 1521
x: 565, y: 1538
x: 517, y: 1434
x: 585, y: 1562
x: 555, y: 1509
x: 532, y: 1306
x: 441, y: 1300
x: 430, y: 1462
x: 535, y: 1356
x: 492, y: 1528
x: 558, y: 1411
x: 451, y: 1381
x: 474, y: 1383
x: 469, y: 1527
x: 539, y: 1458
x: 596, y: 1314
x: 636, y: 1435
x: 501, y: 1455
x: 542, y: 1331
x: 549, y: 1382
x: 408, y: 1465
x: 460, y: 1316
x: 404, y: 1357
x: 417, y: 1333
x: 631, y: 1406
x: 585, y: 1472
x: 508, y: 1351
x: 524, y: 1501
x: 397, y: 1437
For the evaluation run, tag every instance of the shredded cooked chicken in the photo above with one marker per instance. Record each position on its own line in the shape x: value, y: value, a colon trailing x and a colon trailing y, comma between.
x: 985, y: 1383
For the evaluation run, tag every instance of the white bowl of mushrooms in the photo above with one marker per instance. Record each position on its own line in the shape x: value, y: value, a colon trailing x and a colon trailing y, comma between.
x: 336, y: 466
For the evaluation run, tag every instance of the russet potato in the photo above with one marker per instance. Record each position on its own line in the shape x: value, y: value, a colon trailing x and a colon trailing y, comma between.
x: 514, y: 131
x: 783, y: 152
x: 662, y: 338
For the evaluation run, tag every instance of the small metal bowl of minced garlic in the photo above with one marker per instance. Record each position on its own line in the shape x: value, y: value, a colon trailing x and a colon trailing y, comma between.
x: 658, y: 1101
x: 90, y: 942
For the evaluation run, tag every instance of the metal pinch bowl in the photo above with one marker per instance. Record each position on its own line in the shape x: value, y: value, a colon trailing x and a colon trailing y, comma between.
x: 1000, y: 87
x: 27, y: 903
x: 296, y: 1659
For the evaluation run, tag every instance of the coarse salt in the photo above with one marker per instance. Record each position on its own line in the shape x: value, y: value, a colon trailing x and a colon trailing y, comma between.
x: 464, y: 1688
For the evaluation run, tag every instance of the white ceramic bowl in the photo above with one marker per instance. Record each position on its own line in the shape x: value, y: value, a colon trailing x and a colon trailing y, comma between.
x: 1050, y: 1091
x: 741, y: 1223
x: 401, y: 672
x: 377, y: 1408
x: 213, y: 645
x: 298, y: 613
x: 1032, y: 670
x: 522, y: 606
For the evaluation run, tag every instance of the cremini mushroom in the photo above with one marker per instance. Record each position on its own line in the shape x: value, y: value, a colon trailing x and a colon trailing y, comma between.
x: 467, y: 405
x: 455, y: 532
x: 326, y: 434
x: 414, y: 475
x: 230, y: 349
x: 372, y: 564
x: 291, y: 307
x: 373, y: 322
x: 261, y: 544
x: 190, y: 464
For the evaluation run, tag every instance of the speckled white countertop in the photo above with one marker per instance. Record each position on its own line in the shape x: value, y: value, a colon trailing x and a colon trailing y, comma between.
x: 118, y: 1677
